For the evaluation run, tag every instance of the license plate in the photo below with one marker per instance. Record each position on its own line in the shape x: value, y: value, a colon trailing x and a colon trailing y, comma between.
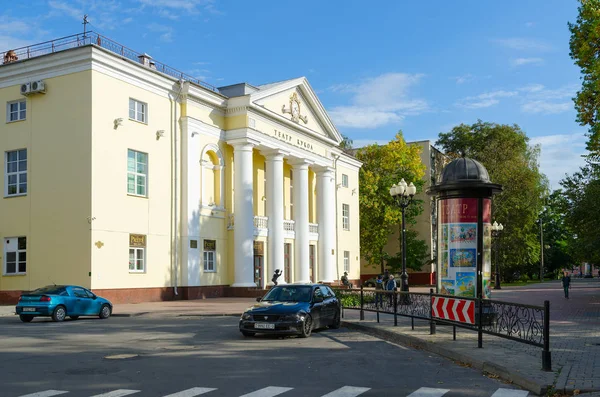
x: 264, y: 326
x: 29, y: 309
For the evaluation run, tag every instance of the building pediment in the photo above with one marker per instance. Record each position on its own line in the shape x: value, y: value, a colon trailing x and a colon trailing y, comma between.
x: 295, y: 102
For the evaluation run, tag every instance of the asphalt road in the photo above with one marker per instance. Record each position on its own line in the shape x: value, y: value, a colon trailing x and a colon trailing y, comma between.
x: 183, y: 356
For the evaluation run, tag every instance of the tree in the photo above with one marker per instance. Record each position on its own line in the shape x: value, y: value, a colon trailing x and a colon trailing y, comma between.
x: 505, y: 152
x: 417, y: 254
x: 585, y: 51
x: 558, y: 237
x: 581, y: 192
x: 346, y: 145
x: 382, y: 167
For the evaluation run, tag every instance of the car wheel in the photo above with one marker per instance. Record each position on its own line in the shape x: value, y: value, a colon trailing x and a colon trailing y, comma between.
x: 248, y: 334
x: 104, y: 312
x: 73, y: 317
x: 59, y: 314
x: 26, y: 318
x: 337, y: 321
x: 307, y: 327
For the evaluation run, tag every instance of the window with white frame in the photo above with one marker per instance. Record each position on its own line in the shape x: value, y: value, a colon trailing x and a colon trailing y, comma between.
x: 16, y: 110
x: 15, y: 255
x: 344, y: 180
x: 137, y: 173
x: 137, y: 253
x: 346, y: 216
x: 347, y: 261
x: 15, y: 177
x: 138, y: 111
x: 209, y: 255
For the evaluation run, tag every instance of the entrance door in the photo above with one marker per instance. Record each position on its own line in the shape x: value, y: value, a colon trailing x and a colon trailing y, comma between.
x: 311, y: 251
x: 287, y: 257
x: 259, y: 252
x: 258, y: 268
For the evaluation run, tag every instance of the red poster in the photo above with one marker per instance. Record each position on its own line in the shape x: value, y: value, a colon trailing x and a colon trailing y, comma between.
x: 459, y: 210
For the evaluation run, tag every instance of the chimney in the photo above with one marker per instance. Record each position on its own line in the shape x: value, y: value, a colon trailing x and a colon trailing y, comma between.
x: 145, y: 59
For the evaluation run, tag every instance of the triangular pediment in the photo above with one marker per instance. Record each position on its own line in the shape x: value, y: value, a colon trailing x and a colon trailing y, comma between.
x: 295, y: 101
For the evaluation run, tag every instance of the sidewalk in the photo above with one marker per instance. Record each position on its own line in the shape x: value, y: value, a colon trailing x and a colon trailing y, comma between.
x: 574, y: 335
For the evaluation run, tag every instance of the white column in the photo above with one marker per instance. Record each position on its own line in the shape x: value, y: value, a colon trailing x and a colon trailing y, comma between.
x: 243, y: 232
x: 301, y: 257
x: 326, y: 219
x: 275, y: 213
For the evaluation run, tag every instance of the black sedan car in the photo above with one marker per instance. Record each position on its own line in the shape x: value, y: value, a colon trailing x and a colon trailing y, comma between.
x: 292, y: 309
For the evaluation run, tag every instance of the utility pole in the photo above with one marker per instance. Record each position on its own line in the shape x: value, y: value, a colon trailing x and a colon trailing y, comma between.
x: 85, y: 22
x: 542, y: 251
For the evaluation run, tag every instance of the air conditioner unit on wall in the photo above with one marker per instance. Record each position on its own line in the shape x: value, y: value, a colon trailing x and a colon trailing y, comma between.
x: 25, y: 88
x: 38, y: 86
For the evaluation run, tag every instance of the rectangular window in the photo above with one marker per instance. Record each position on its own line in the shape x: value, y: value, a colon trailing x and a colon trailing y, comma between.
x: 345, y: 216
x: 138, y: 111
x: 15, y: 255
x: 291, y: 194
x: 344, y: 180
x: 347, y: 261
x: 16, y: 111
x: 210, y: 253
x: 15, y: 177
x: 137, y: 173
x: 137, y: 253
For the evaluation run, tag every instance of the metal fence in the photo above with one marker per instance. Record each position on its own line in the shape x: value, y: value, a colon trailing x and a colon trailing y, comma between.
x: 81, y: 39
x: 522, y: 323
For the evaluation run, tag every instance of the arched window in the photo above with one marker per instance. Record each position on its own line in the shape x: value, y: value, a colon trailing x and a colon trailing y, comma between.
x: 211, y: 163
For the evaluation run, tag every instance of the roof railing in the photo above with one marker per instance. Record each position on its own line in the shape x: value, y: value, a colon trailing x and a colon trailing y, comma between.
x: 93, y: 38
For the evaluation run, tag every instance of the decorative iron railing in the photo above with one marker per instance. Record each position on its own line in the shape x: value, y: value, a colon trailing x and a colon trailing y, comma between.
x: 93, y: 38
x: 522, y: 323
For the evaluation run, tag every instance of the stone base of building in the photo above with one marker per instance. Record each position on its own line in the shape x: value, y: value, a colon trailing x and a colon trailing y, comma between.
x: 9, y: 297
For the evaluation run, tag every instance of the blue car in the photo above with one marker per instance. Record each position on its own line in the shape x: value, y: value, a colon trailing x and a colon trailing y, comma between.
x: 60, y: 301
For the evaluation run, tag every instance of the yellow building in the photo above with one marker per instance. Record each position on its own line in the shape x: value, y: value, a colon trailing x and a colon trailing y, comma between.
x: 128, y: 177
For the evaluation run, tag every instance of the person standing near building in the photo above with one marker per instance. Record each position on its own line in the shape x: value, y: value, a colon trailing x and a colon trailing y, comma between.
x: 391, y: 286
x: 566, y: 283
x: 378, y: 289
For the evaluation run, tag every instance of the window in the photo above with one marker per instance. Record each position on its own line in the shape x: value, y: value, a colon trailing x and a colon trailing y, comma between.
x: 15, y: 254
x: 15, y: 179
x: 138, y: 111
x: 79, y: 292
x: 291, y: 194
x: 137, y: 173
x: 16, y: 111
x: 210, y: 251
x: 137, y: 253
x: 347, y: 261
x: 345, y: 216
x: 344, y: 180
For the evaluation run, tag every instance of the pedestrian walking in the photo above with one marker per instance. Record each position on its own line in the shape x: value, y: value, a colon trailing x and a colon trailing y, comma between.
x: 391, y: 286
x: 378, y: 289
x: 566, y: 283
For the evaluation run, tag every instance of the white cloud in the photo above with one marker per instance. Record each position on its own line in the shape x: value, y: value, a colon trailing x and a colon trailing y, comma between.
x: 524, y: 44
x: 378, y: 101
x: 103, y: 14
x: 567, y: 147
x: 526, y: 61
x: 485, y: 100
x: 10, y: 43
x: 13, y: 26
x: 464, y: 78
x: 529, y: 24
x: 538, y: 99
x: 172, y: 9
x: 166, y: 32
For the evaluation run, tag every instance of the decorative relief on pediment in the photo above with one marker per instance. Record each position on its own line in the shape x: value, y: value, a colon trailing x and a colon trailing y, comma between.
x: 294, y: 109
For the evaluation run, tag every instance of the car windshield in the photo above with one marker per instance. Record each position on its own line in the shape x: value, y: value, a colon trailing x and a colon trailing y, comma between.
x: 289, y: 293
x: 49, y: 290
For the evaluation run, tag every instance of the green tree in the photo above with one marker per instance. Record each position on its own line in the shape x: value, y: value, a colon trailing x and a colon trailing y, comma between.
x: 585, y: 51
x: 581, y: 191
x: 347, y: 145
x: 558, y: 237
x: 505, y: 152
x: 383, y: 166
x: 417, y: 254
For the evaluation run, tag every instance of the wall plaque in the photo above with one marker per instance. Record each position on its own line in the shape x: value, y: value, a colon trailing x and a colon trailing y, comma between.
x: 137, y: 240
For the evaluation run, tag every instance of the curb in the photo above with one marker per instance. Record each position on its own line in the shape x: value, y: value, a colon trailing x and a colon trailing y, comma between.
x: 211, y: 315
x: 561, y: 382
x: 485, y: 366
x: 129, y: 314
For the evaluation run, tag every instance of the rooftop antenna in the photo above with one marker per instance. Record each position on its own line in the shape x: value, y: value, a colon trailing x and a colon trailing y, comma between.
x: 85, y: 22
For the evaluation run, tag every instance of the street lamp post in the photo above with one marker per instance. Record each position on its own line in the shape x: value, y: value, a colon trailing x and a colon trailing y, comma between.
x: 403, y: 195
x: 496, y: 230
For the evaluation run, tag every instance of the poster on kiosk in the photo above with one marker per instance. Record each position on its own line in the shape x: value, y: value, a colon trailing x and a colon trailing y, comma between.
x: 458, y: 249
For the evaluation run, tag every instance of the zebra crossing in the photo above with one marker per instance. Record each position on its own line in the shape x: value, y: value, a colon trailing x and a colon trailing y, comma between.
x: 272, y: 391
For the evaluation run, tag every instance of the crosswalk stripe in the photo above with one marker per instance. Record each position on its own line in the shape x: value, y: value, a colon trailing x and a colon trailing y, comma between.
x: 47, y: 393
x: 194, y: 391
x: 118, y: 393
x: 428, y: 392
x: 510, y: 393
x: 347, y: 391
x: 268, y: 392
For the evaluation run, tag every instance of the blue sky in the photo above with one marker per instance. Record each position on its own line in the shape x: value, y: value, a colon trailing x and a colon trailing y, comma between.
x: 377, y: 66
